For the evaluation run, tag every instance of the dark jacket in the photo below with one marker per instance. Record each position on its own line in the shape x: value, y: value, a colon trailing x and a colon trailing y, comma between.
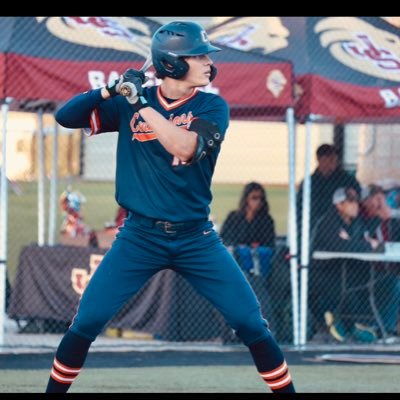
x: 237, y: 230
x: 325, y: 235
x: 322, y: 189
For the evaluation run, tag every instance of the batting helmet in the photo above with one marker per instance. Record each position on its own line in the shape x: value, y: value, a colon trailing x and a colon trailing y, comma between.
x: 176, y: 40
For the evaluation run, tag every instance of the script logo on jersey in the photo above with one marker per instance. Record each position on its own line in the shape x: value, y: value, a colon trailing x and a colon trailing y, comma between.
x: 118, y: 33
x: 361, y: 46
x: 142, y: 131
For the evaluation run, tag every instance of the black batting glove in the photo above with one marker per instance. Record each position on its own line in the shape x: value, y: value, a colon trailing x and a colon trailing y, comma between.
x: 129, y: 84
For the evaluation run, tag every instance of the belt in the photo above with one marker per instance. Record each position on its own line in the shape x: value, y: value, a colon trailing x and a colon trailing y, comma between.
x: 167, y: 226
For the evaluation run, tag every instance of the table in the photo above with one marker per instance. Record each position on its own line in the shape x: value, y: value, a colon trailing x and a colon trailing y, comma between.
x: 372, y: 258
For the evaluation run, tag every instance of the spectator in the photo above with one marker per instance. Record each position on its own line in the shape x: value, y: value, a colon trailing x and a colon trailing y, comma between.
x: 249, y: 233
x: 327, y: 177
x: 379, y: 215
x: 250, y: 228
x: 119, y: 219
x: 381, y: 224
x: 71, y: 203
x: 340, y: 230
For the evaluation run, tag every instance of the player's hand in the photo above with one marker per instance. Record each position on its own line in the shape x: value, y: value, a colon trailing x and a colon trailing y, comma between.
x: 129, y: 85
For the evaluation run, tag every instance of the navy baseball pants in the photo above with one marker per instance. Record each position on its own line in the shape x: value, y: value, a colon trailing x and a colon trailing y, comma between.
x: 193, y: 249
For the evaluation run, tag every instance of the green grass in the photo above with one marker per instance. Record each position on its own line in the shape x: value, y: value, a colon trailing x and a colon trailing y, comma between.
x: 101, y: 207
x: 212, y: 379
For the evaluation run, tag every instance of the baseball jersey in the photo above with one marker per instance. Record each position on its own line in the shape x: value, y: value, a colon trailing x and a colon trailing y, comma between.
x: 149, y: 180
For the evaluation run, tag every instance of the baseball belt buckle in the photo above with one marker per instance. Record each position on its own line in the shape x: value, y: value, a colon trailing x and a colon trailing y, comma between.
x: 166, y: 226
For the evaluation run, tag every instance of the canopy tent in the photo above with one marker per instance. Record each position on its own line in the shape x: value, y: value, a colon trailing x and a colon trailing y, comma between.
x: 46, y: 60
x: 347, y: 69
x: 53, y: 58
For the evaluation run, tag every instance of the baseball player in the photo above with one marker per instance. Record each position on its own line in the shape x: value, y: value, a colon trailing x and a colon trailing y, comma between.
x: 168, y: 143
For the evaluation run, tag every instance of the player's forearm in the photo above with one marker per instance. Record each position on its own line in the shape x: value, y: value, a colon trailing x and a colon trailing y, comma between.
x: 76, y: 112
x: 177, y: 141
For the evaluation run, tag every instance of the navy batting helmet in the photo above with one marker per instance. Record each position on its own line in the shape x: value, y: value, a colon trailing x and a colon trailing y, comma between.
x: 176, y: 40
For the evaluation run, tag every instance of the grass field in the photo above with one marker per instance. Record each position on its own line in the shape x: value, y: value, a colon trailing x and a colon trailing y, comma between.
x: 101, y: 207
x: 221, y: 379
x: 209, y: 379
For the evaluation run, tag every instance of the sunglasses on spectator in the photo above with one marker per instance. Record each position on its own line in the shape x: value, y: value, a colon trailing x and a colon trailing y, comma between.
x: 255, y: 197
x: 352, y: 198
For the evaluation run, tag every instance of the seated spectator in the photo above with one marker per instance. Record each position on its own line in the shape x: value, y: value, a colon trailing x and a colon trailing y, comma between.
x: 378, y: 217
x: 340, y: 230
x: 250, y: 229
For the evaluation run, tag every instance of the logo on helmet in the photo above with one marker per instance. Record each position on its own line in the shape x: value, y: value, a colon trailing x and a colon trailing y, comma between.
x: 204, y: 36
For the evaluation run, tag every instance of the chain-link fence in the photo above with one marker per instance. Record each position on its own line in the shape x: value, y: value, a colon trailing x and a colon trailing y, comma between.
x: 62, y: 216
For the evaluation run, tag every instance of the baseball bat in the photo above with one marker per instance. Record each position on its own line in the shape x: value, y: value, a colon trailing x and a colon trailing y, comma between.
x: 125, y: 90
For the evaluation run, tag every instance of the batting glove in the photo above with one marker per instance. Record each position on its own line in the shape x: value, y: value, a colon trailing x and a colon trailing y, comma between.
x: 129, y: 84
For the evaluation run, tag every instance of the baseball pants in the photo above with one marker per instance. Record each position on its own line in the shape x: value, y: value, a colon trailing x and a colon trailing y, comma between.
x: 193, y: 249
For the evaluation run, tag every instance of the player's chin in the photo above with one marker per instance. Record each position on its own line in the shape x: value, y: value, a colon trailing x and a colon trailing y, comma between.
x: 203, y: 82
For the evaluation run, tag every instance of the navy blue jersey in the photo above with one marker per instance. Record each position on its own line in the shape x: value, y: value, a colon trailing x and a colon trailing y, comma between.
x: 149, y: 180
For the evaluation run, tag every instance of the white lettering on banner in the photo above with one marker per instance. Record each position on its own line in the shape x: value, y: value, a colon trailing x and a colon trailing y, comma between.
x: 97, y: 79
x: 390, y: 97
x: 152, y: 79
x: 113, y: 77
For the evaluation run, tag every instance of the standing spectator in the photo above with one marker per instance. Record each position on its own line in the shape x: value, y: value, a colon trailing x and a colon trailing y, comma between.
x: 250, y: 228
x: 327, y: 177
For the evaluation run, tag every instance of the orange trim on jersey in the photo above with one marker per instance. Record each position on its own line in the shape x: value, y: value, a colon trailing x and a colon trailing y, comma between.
x: 144, y: 137
x: 176, y: 103
x: 94, y: 122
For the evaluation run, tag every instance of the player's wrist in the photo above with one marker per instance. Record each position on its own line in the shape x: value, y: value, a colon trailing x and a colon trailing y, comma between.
x: 105, y: 94
x: 111, y: 88
x: 140, y: 104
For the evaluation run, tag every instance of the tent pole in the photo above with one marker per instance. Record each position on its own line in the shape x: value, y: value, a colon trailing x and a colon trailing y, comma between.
x: 53, y: 188
x: 292, y: 223
x: 3, y: 218
x: 305, y: 233
x: 41, y: 180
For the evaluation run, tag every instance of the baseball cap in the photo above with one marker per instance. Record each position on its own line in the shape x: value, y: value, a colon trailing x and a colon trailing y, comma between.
x: 370, y: 190
x: 342, y: 194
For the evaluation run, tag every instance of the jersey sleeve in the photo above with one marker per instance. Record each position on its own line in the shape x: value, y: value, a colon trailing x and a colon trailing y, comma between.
x: 91, y: 112
x: 103, y: 118
x: 217, y: 111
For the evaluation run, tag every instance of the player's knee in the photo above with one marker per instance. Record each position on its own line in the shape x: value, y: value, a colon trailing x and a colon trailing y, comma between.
x: 89, y: 326
x: 252, y: 328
